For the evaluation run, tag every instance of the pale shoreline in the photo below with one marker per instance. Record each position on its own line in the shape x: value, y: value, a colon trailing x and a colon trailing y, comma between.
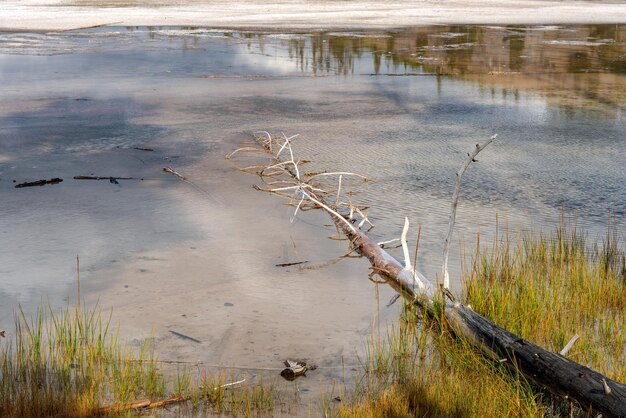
x: 300, y: 15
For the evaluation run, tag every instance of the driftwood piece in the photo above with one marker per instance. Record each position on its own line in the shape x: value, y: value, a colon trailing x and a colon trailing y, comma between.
x: 295, y: 263
x: 142, y: 403
x: 43, y: 182
x: 185, y: 337
x: 169, y: 169
x: 147, y: 404
x: 110, y: 178
x: 559, y: 375
x: 168, y: 401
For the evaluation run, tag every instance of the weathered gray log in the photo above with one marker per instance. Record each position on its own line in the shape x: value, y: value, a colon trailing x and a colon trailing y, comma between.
x: 552, y: 371
x: 563, y: 377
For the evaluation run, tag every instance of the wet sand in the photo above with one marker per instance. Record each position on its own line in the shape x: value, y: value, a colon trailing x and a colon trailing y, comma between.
x: 226, y: 291
x: 301, y: 15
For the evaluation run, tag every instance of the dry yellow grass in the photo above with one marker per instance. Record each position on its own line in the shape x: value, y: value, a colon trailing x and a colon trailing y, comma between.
x: 544, y: 288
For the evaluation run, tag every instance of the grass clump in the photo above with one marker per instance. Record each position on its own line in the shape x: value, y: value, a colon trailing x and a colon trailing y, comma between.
x: 215, y: 394
x: 70, y: 364
x: 422, y: 370
x: 549, y: 288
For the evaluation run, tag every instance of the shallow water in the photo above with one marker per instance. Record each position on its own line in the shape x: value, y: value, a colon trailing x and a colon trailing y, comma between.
x: 402, y: 107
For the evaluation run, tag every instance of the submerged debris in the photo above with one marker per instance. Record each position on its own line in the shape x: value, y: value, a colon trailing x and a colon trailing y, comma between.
x: 173, y: 172
x: 43, y: 182
x: 185, y: 337
x: 295, y: 369
x: 110, y: 178
x: 291, y: 264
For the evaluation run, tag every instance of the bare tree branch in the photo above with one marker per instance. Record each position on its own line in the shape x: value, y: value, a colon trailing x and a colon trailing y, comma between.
x: 455, y: 200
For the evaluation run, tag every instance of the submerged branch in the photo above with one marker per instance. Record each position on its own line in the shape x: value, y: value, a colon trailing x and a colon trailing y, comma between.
x: 147, y: 404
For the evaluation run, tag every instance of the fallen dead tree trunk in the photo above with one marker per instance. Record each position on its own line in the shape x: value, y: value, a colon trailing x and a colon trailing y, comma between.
x: 561, y: 376
x: 591, y: 390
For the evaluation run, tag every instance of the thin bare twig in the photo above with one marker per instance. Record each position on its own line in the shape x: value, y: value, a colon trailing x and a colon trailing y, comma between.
x: 382, y: 244
x: 247, y: 149
x: 455, y: 200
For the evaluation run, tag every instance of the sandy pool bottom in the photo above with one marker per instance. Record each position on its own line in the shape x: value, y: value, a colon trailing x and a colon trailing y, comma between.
x: 244, y: 314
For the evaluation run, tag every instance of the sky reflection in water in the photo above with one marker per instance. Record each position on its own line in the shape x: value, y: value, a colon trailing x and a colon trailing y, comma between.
x: 400, y: 106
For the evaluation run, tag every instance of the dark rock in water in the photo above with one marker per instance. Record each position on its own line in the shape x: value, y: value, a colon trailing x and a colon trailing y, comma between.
x: 295, y: 369
x: 288, y: 374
